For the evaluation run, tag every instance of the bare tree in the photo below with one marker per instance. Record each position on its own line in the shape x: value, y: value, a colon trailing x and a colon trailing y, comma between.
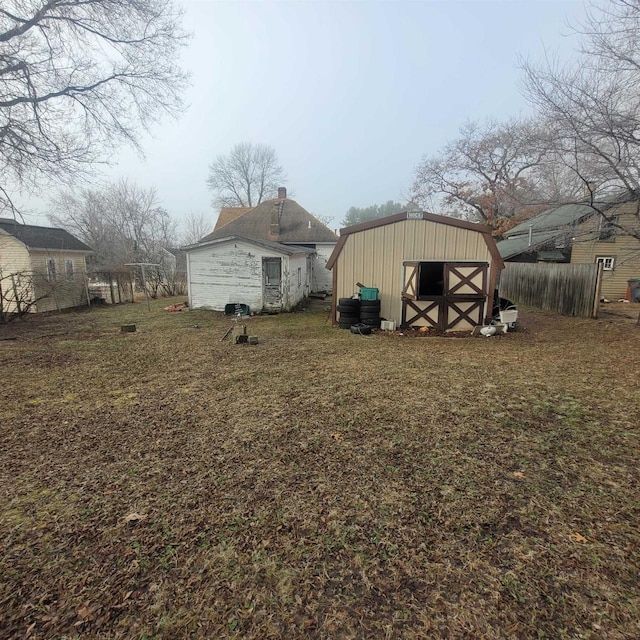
x: 196, y: 226
x: 245, y: 177
x: 124, y: 224
x: 591, y: 105
x: 78, y: 77
x: 496, y: 173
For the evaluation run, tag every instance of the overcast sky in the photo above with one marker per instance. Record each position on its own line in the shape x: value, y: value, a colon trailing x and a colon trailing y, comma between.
x: 351, y: 95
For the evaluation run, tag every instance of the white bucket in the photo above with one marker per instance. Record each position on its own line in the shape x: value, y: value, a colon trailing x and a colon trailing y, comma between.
x: 508, y: 316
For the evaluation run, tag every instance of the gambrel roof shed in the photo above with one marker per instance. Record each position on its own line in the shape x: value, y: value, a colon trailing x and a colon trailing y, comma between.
x: 430, y: 270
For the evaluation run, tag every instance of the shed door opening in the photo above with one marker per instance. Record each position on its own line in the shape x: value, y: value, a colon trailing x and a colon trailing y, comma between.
x: 430, y: 279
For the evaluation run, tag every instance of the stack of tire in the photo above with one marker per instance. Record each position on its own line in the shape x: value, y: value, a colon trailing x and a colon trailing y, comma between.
x: 370, y: 313
x: 349, y: 310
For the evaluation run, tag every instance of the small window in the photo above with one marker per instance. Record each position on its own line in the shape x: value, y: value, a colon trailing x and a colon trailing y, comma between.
x: 431, y: 279
x: 51, y: 269
x: 68, y: 267
x: 299, y: 276
x: 607, y: 228
x: 606, y: 261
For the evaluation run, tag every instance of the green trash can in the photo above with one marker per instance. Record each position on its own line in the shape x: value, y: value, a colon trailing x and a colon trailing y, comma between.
x: 634, y: 289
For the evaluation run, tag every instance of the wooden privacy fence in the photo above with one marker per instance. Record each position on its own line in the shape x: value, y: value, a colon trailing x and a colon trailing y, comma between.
x: 568, y: 289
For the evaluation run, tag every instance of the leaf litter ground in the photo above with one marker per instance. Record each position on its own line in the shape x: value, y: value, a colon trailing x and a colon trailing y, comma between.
x: 161, y: 484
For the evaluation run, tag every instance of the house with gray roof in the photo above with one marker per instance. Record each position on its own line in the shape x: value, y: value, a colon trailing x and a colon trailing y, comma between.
x: 549, y: 236
x: 268, y: 257
x: 41, y: 268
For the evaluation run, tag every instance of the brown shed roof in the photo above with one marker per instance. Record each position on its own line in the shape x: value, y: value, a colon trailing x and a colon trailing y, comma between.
x: 485, y: 230
x: 297, y: 225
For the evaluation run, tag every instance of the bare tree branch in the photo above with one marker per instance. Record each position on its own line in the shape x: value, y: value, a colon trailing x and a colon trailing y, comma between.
x: 79, y: 77
x: 245, y: 177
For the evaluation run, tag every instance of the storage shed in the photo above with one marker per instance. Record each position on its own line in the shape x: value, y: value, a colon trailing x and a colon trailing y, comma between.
x: 431, y: 270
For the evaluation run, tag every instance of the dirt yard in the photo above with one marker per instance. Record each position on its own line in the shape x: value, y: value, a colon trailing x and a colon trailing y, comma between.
x: 162, y: 484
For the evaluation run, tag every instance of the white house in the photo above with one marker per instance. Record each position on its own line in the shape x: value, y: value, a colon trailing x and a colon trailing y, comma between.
x: 269, y: 257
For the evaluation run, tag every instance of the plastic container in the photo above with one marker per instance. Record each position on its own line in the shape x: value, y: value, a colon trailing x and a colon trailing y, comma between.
x: 369, y: 293
x: 508, y: 316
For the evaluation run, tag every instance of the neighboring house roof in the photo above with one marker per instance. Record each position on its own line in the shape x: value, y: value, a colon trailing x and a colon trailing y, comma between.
x: 485, y: 230
x: 521, y: 244
x: 296, y: 224
x: 43, y: 237
x: 229, y: 214
x: 564, y: 216
x: 286, y: 249
x: 567, y: 215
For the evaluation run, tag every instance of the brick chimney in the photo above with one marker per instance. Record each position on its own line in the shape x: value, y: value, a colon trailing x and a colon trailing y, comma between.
x: 282, y: 193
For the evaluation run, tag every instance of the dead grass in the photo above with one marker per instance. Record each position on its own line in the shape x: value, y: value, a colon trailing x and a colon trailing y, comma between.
x: 319, y: 484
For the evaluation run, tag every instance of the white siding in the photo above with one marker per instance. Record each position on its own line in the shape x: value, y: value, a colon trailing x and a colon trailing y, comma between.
x: 322, y: 278
x: 231, y: 272
x: 295, y: 291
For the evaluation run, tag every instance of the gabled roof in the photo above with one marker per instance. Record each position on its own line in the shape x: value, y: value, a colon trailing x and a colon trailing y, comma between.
x: 516, y: 245
x: 485, y: 230
x: 229, y: 214
x: 286, y: 249
x: 297, y: 225
x: 43, y: 237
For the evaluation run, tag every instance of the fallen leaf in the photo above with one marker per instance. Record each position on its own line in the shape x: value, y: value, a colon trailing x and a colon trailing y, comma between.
x: 576, y: 537
x: 337, y: 436
x: 134, y: 517
x: 518, y: 474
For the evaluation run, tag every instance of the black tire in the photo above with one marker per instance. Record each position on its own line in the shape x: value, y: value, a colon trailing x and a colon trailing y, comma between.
x: 348, y: 309
x: 349, y: 302
x: 360, y: 329
x: 369, y: 314
x: 369, y: 304
x: 348, y: 321
x: 372, y: 322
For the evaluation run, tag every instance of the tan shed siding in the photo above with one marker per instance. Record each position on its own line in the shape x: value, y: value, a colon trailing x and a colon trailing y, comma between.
x: 374, y: 257
x: 625, y: 249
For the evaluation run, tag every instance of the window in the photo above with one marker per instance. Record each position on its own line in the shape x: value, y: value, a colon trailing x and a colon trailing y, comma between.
x: 299, y: 276
x: 607, y: 228
x: 51, y: 269
x: 431, y: 279
x: 68, y: 267
x: 606, y: 261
